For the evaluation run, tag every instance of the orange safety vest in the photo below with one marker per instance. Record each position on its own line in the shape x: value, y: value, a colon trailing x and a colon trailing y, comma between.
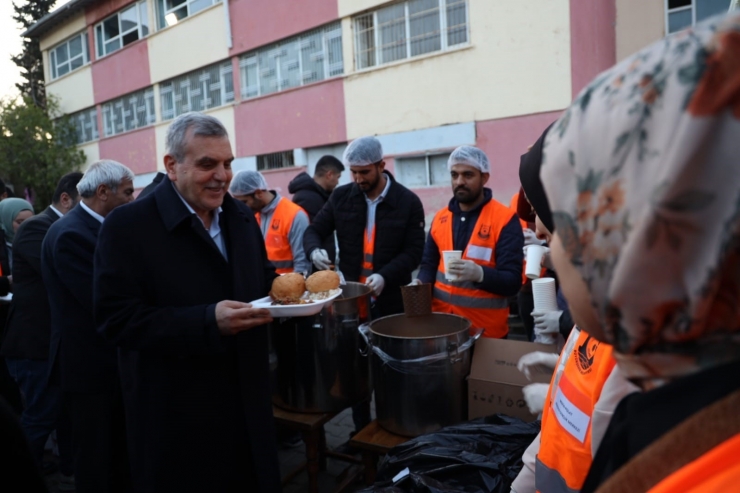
x: 367, y: 258
x: 276, y: 240
x: 716, y: 470
x: 565, y: 453
x: 514, y: 206
x: 484, y: 310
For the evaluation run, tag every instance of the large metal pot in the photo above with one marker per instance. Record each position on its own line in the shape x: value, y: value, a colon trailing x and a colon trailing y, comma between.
x: 419, y: 368
x: 319, y: 364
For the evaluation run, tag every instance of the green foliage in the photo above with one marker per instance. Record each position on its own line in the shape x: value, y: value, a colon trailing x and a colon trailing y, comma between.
x: 36, y: 150
x: 30, y: 60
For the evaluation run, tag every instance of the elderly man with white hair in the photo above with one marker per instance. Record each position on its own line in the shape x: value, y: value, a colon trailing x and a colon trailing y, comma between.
x: 488, y: 235
x: 85, y: 364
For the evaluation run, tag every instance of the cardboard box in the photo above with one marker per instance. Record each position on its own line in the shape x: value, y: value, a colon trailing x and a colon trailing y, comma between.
x: 495, y: 384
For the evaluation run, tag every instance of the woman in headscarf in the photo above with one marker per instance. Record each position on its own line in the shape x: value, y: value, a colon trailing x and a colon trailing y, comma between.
x: 643, y: 179
x: 13, y: 212
x: 585, y: 388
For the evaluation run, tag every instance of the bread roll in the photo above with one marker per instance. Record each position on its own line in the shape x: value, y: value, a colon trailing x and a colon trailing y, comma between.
x: 323, y: 280
x: 288, y: 288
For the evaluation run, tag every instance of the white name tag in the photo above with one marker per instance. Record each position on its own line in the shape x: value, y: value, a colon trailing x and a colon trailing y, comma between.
x: 570, y: 417
x: 479, y: 252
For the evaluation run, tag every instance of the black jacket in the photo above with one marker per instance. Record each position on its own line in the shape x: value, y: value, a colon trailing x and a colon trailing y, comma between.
x: 311, y: 197
x: 78, y: 355
x: 196, y: 401
x: 29, y: 322
x: 399, y: 237
x: 150, y: 188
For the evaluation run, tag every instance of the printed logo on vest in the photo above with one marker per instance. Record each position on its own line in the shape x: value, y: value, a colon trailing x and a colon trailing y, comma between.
x: 275, y: 224
x: 585, y: 354
x: 443, y: 220
x: 484, y: 232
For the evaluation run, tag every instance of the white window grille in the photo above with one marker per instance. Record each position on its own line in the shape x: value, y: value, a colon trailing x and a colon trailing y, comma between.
x: 423, y: 171
x: 122, y: 28
x: 309, y: 57
x: 684, y: 13
x: 275, y: 160
x: 408, y: 29
x: 200, y: 90
x: 170, y: 12
x: 86, y: 125
x: 129, y: 112
x: 69, y: 55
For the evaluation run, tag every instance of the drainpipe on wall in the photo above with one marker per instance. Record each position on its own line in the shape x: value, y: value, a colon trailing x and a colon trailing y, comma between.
x: 227, y: 20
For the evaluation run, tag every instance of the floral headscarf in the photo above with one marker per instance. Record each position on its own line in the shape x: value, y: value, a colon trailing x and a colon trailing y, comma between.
x: 643, y: 176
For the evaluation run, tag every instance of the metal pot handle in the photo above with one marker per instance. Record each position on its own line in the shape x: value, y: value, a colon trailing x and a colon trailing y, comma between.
x: 364, y: 331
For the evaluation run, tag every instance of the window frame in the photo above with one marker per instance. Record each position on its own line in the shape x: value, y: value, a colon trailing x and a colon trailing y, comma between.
x: 330, y: 32
x: 53, y: 65
x: 95, y: 132
x: 225, y: 68
x: 428, y: 167
x: 151, y: 115
x: 377, y: 49
x: 692, y: 6
x: 161, y: 11
x: 139, y: 6
x: 289, y: 154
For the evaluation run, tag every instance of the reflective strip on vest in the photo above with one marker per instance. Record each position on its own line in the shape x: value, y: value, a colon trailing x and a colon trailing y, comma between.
x: 367, y: 259
x: 548, y: 480
x: 282, y: 264
x: 469, y: 301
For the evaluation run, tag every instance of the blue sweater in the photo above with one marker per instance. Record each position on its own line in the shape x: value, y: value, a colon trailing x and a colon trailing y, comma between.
x: 506, y: 278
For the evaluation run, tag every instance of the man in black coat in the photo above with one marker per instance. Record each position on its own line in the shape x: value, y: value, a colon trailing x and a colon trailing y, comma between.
x: 383, y: 207
x: 312, y: 193
x: 85, y: 363
x: 28, y: 330
x: 193, y: 353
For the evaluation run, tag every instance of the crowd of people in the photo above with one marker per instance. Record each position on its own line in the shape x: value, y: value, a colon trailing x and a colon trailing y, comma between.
x: 130, y: 333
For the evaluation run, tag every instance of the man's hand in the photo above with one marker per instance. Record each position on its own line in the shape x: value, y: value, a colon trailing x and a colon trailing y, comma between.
x: 376, y: 283
x: 320, y: 259
x: 546, y: 326
x: 466, y: 270
x: 415, y: 282
x: 537, y: 361
x: 233, y: 317
x: 535, y: 395
x: 530, y: 238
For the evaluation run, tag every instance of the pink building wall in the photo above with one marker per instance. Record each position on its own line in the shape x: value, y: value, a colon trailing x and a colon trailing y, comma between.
x: 136, y: 149
x: 593, y: 40
x: 121, y: 72
x: 279, y: 179
x: 256, y: 23
x: 308, y: 116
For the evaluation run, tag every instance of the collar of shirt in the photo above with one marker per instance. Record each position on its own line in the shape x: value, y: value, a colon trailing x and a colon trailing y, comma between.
x: 215, y: 226
x: 92, y: 212
x: 372, y: 204
x: 56, y: 210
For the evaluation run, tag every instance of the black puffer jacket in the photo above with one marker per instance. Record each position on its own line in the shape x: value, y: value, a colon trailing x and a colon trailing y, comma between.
x: 399, y: 237
x: 312, y: 197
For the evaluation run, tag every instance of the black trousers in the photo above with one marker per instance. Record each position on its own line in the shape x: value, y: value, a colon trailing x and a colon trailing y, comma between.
x: 100, y: 458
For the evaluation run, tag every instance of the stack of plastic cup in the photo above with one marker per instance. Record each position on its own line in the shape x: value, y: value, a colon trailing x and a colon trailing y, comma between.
x: 545, y: 297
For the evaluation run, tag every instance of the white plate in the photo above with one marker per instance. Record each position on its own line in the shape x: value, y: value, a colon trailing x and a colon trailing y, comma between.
x: 283, y: 311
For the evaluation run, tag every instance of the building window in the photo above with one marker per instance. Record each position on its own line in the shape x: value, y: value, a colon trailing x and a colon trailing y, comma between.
x: 197, y: 91
x: 276, y: 160
x: 684, y: 13
x: 129, y: 112
x: 170, y: 12
x: 86, y: 125
x: 68, y: 56
x: 122, y: 28
x: 423, y: 171
x: 310, y: 57
x: 409, y: 29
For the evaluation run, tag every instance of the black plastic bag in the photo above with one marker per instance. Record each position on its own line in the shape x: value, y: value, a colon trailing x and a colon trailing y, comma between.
x: 483, y: 455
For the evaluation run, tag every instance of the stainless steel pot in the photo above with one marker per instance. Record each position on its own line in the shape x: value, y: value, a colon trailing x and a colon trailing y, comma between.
x: 419, y: 369
x: 319, y: 364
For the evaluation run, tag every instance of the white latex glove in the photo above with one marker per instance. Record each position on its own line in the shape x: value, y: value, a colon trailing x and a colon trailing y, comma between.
x: 535, y: 395
x: 537, y: 361
x: 546, y: 260
x: 320, y: 259
x: 466, y: 270
x: 546, y: 326
x: 376, y: 283
x: 415, y: 282
x: 530, y: 238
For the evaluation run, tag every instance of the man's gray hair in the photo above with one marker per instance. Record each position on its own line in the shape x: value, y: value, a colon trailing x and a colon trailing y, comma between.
x: 103, y: 172
x: 203, y: 125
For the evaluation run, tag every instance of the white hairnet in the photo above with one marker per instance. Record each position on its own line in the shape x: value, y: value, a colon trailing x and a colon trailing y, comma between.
x: 363, y: 151
x: 472, y: 156
x: 246, y: 182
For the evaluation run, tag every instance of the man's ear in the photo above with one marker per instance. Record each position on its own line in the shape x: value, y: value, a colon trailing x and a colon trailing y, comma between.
x: 102, y: 192
x: 169, y: 167
x: 485, y: 177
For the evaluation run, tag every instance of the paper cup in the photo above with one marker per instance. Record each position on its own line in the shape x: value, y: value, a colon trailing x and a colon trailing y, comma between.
x: 534, y: 260
x: 545, y: 297
x: 448, y: 256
